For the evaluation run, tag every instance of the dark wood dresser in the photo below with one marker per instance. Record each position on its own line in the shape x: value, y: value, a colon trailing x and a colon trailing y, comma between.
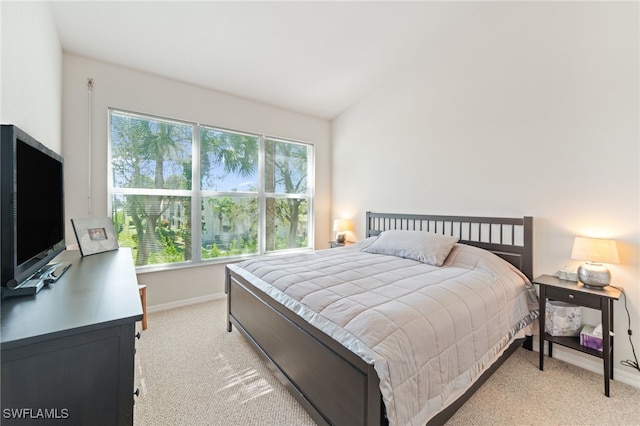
x: 68, y: 352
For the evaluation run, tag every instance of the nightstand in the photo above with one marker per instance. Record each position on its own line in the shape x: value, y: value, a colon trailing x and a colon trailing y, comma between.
x: 334, y: 244
x: 553, y: 288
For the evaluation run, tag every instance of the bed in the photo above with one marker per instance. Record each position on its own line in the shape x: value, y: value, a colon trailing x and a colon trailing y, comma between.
x: 362, y: 335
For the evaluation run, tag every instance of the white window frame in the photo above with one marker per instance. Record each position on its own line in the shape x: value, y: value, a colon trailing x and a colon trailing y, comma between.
x: 196, y: 194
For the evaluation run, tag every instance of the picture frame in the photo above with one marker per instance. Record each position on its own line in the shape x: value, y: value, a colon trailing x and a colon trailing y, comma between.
x: 95, y: 235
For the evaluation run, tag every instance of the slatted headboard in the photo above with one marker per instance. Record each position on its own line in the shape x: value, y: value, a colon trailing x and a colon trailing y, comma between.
x: 509, y: 238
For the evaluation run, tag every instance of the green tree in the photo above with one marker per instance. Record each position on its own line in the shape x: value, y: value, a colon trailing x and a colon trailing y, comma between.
x: 226, y: 153
x: 155, y: 154
x: 143, y: 149
x: 226, y: 208
x: 285, y: 171
x: 237, y: 153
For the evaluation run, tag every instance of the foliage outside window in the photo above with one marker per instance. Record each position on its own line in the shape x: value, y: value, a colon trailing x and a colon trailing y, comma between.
x: 184, y: 192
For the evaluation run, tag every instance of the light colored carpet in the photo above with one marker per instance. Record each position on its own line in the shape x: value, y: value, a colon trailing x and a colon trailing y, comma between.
x: 190, y: 371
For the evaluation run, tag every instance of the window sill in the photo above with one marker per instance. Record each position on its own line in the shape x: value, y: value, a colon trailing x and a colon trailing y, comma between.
x: 208, y: 262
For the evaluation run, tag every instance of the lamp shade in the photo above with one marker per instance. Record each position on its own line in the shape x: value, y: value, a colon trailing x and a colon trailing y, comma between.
x: 595, y: 250
x: 340, y: 225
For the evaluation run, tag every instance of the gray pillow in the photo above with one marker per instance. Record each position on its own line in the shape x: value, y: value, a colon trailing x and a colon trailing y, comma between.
x: 425, y: 247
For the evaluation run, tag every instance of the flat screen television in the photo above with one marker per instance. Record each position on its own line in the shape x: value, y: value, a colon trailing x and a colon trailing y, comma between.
x: 32, y: 205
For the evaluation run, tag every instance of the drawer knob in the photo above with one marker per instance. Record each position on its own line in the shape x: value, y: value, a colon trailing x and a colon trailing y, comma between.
x: 571, y: 296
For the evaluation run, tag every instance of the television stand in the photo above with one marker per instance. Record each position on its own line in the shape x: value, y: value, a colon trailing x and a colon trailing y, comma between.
x: 71, y: 350
x: 54, y: 271
x: 49, y: 273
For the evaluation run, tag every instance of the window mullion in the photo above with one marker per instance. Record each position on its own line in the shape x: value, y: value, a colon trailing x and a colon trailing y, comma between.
x: 262, y: 222
x: 196, y: 198
x: 311, y: 195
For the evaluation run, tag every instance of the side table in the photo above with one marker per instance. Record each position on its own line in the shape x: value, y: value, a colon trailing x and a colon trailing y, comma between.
x: 553, y: 288
x: 334, y: 244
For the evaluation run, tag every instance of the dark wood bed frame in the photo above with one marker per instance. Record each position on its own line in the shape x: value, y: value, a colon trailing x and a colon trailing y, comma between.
x: 334, y: 385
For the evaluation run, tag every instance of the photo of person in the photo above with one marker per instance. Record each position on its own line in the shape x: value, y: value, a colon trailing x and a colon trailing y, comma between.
x: 97, y: 234
x: 94, y: 235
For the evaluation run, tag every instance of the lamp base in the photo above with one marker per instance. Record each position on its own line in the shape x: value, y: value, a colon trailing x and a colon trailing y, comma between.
x: 340, y: 237
x: 594, y: 275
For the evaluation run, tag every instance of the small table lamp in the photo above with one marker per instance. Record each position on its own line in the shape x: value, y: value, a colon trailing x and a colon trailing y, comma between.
x: 340, y: 226
x: 595, y: 252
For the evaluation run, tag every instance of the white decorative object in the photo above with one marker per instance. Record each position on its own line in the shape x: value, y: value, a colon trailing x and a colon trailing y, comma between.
x: 95, y: 235
x: 563, y: 319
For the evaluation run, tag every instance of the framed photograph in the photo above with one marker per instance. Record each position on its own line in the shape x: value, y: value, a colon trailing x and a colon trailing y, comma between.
x: 95, y: 235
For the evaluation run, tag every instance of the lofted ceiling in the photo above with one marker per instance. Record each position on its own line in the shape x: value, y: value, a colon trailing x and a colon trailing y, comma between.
x: 315, y: 58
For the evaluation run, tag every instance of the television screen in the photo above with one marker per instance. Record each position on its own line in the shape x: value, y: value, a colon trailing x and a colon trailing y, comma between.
x: 32, y: 211
x: 39, y: 202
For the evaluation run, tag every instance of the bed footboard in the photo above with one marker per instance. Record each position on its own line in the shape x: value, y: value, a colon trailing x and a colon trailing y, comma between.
x: 334, y: 385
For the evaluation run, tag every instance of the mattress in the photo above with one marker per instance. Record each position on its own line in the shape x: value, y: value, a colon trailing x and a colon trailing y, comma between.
x: 428, y: 331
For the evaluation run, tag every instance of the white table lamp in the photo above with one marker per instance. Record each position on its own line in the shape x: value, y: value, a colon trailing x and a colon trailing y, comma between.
x: 340, y: 226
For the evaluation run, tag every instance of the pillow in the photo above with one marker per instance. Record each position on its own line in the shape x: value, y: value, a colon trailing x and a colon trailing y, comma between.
x: 425, y: 247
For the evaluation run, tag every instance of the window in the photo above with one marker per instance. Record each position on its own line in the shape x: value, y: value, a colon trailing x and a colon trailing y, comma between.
x: 184, y: 192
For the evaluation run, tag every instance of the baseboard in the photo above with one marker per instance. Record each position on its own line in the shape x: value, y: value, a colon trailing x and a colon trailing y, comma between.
x: 593, y: 364
x: 185, y: 302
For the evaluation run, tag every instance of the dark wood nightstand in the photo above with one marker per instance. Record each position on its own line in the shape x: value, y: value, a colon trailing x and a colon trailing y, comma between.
x: 553, y: 288
x: 334, y: 244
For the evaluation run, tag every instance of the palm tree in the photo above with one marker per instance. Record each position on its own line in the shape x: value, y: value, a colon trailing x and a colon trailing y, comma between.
x: 142, y: 149
x: 286, y: 165
x: 224, y: 206
x: 237, y: 153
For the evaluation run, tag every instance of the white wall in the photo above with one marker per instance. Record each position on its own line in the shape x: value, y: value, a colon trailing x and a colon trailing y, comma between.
x: 525, y: 109
x: 545, y: 94
x: 131, y: 90
x: 31, y: 78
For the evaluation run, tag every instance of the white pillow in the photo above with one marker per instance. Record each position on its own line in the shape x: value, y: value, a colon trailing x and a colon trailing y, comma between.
x: 425, y: 247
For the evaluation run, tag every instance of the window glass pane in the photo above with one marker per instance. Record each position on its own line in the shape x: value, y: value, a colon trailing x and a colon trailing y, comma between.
x: 148, y: 153
x: 286, y: 223
x: 229, y: 226
x: 228, y: 161
x: 152, y: 158
x: 157, y: 228
x: 285, y: 167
